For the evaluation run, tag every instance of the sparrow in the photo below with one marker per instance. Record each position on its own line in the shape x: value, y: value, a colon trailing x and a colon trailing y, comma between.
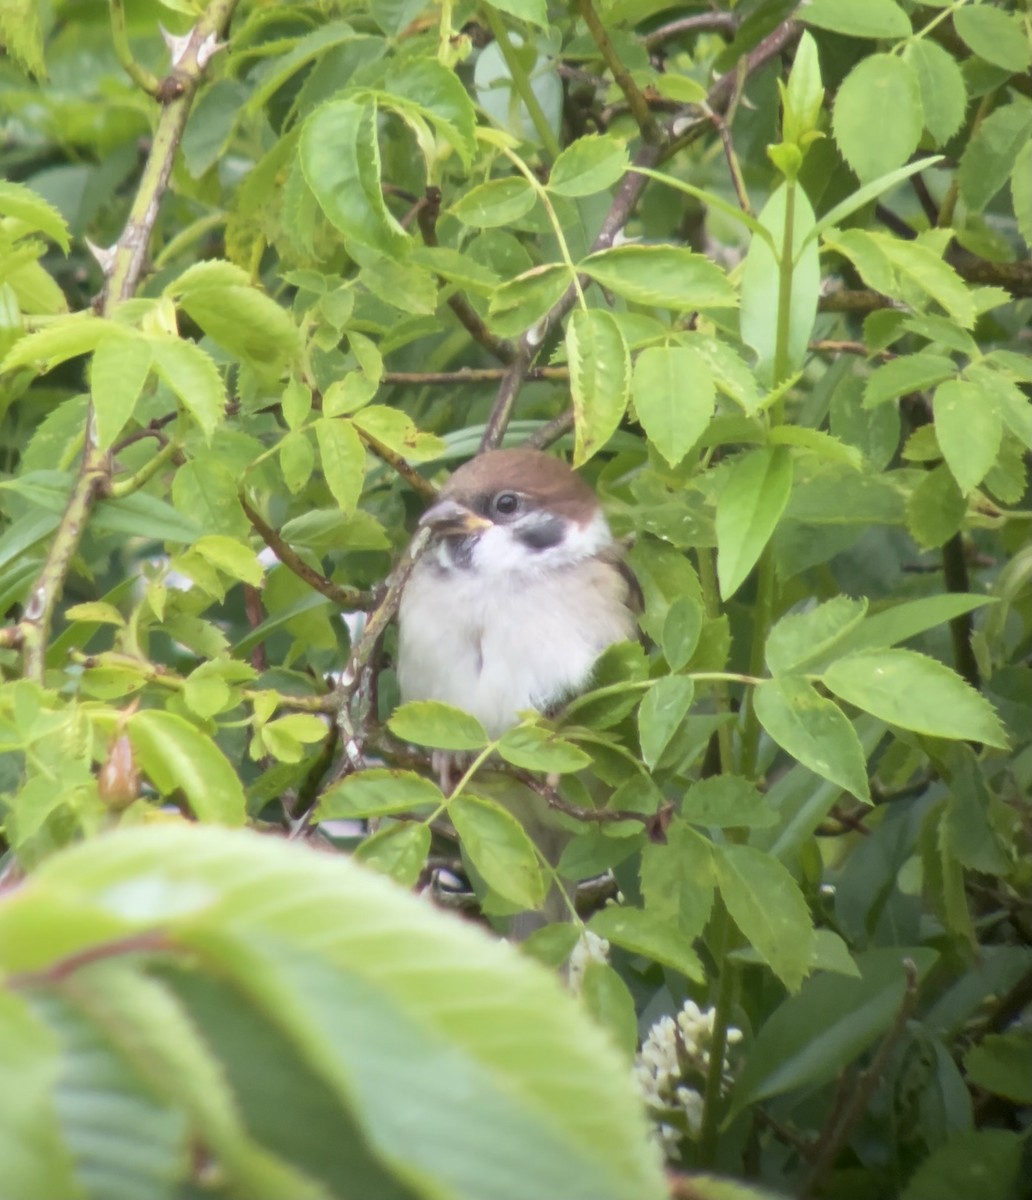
x: 520, y: 589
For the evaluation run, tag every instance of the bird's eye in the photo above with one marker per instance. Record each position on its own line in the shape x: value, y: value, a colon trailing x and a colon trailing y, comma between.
x: 506, y: 503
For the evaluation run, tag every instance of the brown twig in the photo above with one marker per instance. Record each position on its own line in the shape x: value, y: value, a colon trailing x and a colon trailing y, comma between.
x: 651, y: 130
x: 500, y: 348
x: 353, y: 599
x: 355, y: 688
x: 474, y: 375
x: 840, y: 1125
x: 724, y: 23
x: 422, y: 487
x: 542, y: 438
x: 624, y: 202
x: 853, y: 300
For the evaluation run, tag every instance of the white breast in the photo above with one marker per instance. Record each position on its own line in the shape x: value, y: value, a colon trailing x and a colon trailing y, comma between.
x: 497, y: 642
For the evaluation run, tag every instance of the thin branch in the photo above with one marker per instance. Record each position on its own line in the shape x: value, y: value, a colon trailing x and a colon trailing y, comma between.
x: 737, y: 178
x: 552, y: 432
x: 723, y: 23
x: 962, y: 628
x: 352, y: 599
x: 422, y: 487
x: 123, y: 274
x: 624, y: 202
x: 474, y: 375
x: 835, y: 1134
x: 354, y: 692
x: 145, y: 80
x: 469, y: 318
x: 651, y: 130
x: 521, y: 82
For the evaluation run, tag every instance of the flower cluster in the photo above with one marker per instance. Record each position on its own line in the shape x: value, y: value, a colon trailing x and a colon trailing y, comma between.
x: 675, y: 1055
x: 589, y: 948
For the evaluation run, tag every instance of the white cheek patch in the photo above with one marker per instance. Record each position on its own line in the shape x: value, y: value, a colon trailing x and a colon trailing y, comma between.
x: 499, y: 552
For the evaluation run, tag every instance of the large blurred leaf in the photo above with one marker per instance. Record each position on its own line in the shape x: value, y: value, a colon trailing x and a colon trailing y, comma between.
x: 459, y: 1058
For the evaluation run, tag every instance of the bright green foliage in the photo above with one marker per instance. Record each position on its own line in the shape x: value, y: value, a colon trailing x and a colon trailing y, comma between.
x: 763, y: 277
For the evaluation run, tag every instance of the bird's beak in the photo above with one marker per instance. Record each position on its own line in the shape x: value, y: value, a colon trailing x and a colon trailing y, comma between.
x: 449, y: 517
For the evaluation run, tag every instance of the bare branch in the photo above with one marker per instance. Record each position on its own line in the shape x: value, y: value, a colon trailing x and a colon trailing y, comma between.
x: 352, y: 599
x: 723, y: 23
x: 651, y: 130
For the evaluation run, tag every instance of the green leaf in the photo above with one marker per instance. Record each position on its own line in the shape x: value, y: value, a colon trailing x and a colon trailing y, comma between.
x: 118, y: 372
x: 682, y: 628
x: 906, y: 374
x: 22, y: 34
x: 936, y: 508
x: 377, y: 792
x: 340, y: 963
x: 922, y: 263
x: 600, y: 372
x: 297, y: 460
x: 877, y: 120
x: 670, y: 276
x: 803, y: 96
x: 36, y: 1163
x: 943, y: 90
x: 608, y: 999
x: 642, y: 932
x: 677, y: 879
x: 519, y: 302
x: 340, y: 158
x: 398, y: 851
x: 440, y: 95
x: 431, y: 723
x: 28, y: 207
x: 1021, y: 191
x: 814, y: 1036
x: 872, y: 19
x: 495, y: 203
x: 814, y: 731
x: 799, y: 638
x: 727, y: 802
x: 997, y: 36
x: 537, y: 749
x: 500, y: 849
x: 62, y: 339
x: 767, y: 906
x: 661, y: 713
x: 178, y: 756
x: 915, y: 692
x: 343, y: 460
x: 535, y: 12
x: 106, y: 1112
x: 749, y: 506
x: 588, y: 165
x: 906, y: 620
x: 982, y: 1162
x: 674, y: 398
x: 194, y: 379
x: 870, y: 191
x: 762, y: 287
x: 246, y: 322
x: 1002, y: 1064
x: 968, y: 430
x: 991, y: 153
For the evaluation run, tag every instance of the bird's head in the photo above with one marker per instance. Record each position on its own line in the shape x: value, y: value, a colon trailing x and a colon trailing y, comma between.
x: 515, y: 512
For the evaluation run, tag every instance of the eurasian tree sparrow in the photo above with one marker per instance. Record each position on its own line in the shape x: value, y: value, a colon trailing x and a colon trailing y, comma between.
x: 521, y: 588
